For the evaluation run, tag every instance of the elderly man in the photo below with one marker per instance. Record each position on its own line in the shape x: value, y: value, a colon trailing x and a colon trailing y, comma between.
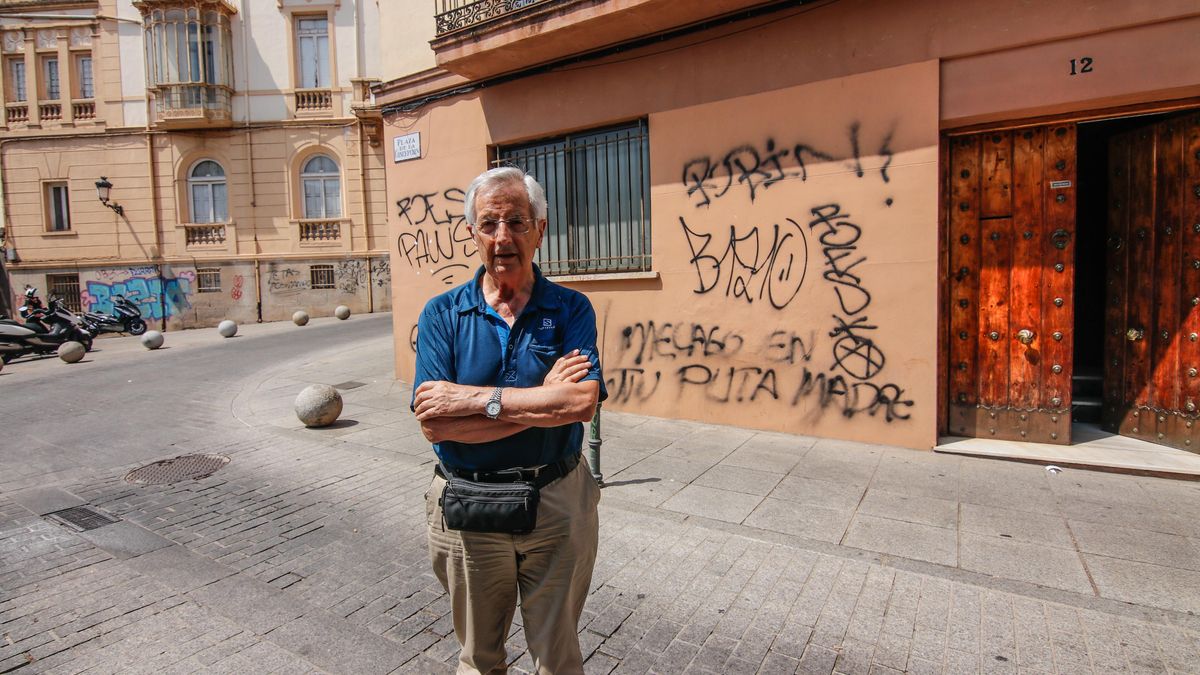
x: 506, y: 374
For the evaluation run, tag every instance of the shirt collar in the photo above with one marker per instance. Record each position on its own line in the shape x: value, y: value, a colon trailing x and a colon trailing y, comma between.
x: 542, y: 296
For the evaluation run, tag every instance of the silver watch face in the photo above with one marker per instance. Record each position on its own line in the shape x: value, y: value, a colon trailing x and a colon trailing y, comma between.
x: 493, y: 408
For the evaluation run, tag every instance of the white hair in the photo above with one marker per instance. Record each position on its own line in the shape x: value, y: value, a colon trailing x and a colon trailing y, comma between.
x: 506, y: 174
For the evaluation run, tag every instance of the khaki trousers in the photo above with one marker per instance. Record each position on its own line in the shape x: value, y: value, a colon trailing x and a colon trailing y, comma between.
x: 549, y: 570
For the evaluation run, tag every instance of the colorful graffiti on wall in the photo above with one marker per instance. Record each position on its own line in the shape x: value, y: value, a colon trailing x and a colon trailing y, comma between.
x: 156, y: 296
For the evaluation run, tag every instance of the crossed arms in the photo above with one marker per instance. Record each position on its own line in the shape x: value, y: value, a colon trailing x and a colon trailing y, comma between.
x: 455, y: 412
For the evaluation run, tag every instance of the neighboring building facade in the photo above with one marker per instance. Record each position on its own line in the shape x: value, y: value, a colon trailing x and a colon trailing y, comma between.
x: 866, y: 220
x: 240, y: 140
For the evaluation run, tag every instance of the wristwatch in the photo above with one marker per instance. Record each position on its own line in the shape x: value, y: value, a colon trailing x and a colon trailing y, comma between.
x: 492, y: 409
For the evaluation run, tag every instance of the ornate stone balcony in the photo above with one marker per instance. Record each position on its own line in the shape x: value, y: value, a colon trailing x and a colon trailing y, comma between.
x: 182, y: 106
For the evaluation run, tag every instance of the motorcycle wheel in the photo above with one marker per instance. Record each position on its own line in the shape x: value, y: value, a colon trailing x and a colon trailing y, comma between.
x: 85, y: 340
x: 136, y: 326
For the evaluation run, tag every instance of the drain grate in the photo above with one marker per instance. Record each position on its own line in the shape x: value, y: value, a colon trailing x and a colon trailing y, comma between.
x: 352, y: 384
x: 184, y: 467
x: 81, y: 518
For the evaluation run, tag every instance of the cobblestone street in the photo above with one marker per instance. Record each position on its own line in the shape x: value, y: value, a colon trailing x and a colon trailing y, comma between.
x: 306, y: 552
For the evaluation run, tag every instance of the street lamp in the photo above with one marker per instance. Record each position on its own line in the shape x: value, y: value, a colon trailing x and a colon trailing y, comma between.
x: 103, y: 187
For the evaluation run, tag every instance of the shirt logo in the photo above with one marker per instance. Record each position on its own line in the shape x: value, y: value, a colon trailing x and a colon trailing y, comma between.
x: 547, y: 323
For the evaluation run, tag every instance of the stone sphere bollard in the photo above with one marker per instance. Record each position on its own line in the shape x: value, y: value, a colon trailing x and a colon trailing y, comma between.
x: 300, y: 317
x: 227, y: 328
x: 152, y: 339
x: 318, y: 405
x: 71, y: 351
x: 342, y: 312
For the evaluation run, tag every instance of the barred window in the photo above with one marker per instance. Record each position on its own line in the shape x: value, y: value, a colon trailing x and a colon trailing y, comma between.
x: 598, y: 187
x: 66, y: 288
x: 208, y: 280
x: 320, y: 276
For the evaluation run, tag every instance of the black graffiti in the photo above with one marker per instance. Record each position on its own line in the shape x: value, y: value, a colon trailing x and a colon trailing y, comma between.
x: 786, y: 347
x: 839, y: 242
x: 852, y: 398
x: 381, y: 272
x: 648, y: 340
x: 753, y: 265
x: 424, y: 208
x: 441, y: 234
x: 746, y: 165
x: 732, y: 383
x: 626, y: 384
x: 350, y: 275
x: 854, y: 352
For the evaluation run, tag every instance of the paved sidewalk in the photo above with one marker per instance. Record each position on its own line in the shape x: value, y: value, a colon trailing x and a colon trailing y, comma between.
x: 722, y: 550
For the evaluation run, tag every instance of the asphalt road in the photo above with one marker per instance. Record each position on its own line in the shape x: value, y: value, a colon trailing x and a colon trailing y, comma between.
x: 124, y: 404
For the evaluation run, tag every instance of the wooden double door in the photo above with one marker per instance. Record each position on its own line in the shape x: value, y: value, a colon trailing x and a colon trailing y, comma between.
x: 1011, y: 289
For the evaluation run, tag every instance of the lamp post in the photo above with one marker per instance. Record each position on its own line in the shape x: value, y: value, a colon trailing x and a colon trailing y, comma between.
x: 103, y: 188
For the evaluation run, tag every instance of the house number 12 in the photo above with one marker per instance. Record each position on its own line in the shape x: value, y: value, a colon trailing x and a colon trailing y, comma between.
x: 1081, y: 65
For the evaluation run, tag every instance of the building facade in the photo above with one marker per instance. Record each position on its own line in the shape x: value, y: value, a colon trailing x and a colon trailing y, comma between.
x: 855, y: 219
x: 238, y: 141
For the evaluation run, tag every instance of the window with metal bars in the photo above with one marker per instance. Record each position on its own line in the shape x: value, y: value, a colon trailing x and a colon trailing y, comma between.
x: 320, y: 276
x: 208, y: 280
x: 598, y: 188
x: 66, y: 288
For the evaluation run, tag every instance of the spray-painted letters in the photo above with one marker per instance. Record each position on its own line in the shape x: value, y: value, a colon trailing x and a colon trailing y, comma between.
x: 757, y: 169
x: 434, y: 234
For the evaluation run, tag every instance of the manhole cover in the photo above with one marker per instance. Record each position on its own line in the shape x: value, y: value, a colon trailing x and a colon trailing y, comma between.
x: 184, y: 467
x: 81, y: 518
x: 350, y: 385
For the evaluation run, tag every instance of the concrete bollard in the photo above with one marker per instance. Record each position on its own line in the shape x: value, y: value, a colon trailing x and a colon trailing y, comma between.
x: 71, y: 352
x: 227, y: 328
x: 300, y: 317
x: 152, y: 339
x: 318, y: 405
x: 342, y: 312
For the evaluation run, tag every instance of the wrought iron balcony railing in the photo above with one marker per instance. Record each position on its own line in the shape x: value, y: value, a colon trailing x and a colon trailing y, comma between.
x: 455, y: 15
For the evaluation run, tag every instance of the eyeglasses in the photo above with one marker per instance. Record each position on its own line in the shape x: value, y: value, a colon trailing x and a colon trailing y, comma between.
x: 516, y: 225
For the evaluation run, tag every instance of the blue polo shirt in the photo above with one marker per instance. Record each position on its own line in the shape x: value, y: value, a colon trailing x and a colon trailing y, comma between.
x: 458, y: 340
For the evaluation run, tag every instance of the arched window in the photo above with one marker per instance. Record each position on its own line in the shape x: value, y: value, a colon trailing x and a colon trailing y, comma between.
x: 207, y: 193
x: 322, y: 188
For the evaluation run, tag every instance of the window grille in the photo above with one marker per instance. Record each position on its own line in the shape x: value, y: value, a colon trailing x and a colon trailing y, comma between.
x: 66, y: 288
x: 598, y: 187
x: 208, y: 280
x: 87, y: 84
x: 320, y: 276
x: 17, y: 82
x: 58, y: 207
x: 52, y: 90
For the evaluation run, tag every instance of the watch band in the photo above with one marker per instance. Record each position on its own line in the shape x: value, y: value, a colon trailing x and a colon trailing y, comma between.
x: 492, y: 409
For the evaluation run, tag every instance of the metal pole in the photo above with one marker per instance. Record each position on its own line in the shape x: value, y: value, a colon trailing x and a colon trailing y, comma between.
x: 594, y: 443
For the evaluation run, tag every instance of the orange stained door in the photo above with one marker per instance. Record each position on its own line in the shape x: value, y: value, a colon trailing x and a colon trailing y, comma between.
x: 1011, y: 257
x: 1152, y: 310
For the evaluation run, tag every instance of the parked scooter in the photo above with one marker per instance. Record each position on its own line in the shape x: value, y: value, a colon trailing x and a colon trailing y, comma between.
x: 126, y: 318
x: 43, y: 332
x: 32, y: 302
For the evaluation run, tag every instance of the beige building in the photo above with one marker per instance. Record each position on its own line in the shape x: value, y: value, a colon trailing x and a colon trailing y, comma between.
x: 239, y: 138
x: 856, y: 219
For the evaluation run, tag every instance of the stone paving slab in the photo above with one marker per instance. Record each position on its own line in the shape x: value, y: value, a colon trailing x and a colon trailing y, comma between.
x: 307, y: 554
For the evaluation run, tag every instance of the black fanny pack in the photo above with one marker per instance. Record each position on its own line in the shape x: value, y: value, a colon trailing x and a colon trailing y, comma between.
x: 508, y: 506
